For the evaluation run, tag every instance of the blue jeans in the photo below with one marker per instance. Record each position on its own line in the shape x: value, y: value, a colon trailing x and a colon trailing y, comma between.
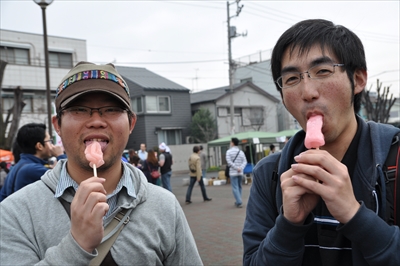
x: 204, y: 173
x: 236, y: 183
x: 190, y: 188
x: 166, y: 180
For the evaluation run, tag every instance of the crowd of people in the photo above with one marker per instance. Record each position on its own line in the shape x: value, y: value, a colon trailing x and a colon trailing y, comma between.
x: 325, y: 206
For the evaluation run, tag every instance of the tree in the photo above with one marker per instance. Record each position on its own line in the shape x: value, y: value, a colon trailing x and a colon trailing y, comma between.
x: 203, y: 127
x: 15, y: 112
x: 378, y: 109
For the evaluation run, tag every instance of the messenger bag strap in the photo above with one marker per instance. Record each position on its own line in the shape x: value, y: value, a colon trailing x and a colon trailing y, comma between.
x: 111, y: 233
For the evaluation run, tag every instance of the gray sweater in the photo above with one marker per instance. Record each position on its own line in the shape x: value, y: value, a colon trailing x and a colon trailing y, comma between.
x: 35, y: 228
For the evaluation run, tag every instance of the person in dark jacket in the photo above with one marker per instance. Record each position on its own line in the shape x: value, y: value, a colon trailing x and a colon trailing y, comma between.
x: 165, y: 161
x: 327, y: 209
x: 149, y: 165
x: 36, y: 148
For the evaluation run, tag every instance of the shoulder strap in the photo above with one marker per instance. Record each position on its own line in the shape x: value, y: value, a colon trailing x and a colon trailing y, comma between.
x: 236, y: 156
x: 392, y: 173
x: 274, y: 179
x: 111, y: 233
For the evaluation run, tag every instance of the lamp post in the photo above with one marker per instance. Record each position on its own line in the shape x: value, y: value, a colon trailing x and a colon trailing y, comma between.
x: 43, y: 4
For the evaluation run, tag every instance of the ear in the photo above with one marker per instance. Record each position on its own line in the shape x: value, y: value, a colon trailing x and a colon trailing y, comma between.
x: 39, y: 146
x: 132, y: 123
x: 54, y: 121
x: 360, y: 80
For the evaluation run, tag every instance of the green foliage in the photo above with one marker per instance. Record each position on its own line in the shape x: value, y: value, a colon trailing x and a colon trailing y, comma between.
x: 203, y: 127
x: 213, y: 169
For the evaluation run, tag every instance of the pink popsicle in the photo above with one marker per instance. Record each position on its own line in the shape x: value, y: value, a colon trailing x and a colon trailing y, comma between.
x: 94, y: 155
x: 314, y: 137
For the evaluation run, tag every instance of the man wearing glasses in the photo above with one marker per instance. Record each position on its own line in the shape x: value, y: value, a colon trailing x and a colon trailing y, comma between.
x: 326, y: 207
x: 36, y: 147
x: 93, y: 104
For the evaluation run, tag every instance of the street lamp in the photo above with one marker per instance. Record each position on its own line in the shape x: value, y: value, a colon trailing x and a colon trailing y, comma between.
x: 43, y: 4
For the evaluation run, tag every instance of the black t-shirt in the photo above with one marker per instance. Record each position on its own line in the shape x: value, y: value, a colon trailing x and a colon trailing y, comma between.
x: 324, y: 245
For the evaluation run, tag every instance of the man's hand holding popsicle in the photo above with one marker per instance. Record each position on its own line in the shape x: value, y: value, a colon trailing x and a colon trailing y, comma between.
x: 90, y: 203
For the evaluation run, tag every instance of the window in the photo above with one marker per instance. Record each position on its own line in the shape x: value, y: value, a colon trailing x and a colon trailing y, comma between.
x: 158, y: 104
x: 60, y: 60
x: 8, y: 103
x: 236, y: 111
x: 137, y: 105
x: 13, y: 55
x: 171, y: 137
x: 256, y: 116
x: 253, y: 116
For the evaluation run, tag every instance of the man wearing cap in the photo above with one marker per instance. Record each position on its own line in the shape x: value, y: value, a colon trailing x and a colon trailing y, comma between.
x: 165, y: 162
x: 63, y: 219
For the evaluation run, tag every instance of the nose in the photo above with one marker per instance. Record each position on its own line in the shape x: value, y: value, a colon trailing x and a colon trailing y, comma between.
x: 309, y: 89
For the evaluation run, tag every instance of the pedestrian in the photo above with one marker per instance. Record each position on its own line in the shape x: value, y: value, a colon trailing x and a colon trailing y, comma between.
x: 3, y: 173
x: 236, y: 161
x: 271, y: 148
x: 165, y: 161
x: 195, y: 174
x: 142, y: 153
x: 64, y: 219
x: 203, y: 161
x: 328, y: 203
x: 150, y: 165
x: 134, y: 158
x: 36, y: 148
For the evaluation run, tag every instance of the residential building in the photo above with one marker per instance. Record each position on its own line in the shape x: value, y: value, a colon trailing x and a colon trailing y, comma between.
x: 257, y: 69
x: 24, y: 53
x: 254, y: 108
x: 162, y: 108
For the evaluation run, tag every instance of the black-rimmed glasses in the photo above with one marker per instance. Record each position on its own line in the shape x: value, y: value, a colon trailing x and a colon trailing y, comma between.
x: 84, y: 112
x: 49, y: 140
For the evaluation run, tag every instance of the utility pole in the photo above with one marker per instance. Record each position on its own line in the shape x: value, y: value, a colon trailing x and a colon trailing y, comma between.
x: 232, y: 34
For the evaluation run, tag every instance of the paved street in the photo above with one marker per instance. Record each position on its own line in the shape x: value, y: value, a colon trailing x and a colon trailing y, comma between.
x: 216, y: 225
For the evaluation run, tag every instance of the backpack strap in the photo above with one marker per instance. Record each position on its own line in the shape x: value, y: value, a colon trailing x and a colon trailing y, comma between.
x: 392, y: 177
x: 275, y: 182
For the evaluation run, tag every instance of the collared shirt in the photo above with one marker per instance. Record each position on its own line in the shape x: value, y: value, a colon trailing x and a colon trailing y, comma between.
x: 66, y: 181
x: 142, y: 155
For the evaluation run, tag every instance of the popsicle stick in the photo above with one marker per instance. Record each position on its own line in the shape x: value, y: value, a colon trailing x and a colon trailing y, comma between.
x: 94, y: 170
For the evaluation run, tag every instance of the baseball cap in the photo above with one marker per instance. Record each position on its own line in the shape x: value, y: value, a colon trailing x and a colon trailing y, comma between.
x: 87, y: 77
x: 162, y: 146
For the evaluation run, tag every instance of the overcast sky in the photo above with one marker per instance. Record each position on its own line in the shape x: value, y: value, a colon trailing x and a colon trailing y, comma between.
x: 163, y: 36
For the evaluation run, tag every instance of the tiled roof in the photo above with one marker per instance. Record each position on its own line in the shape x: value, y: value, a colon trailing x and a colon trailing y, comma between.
x: 148, y: 79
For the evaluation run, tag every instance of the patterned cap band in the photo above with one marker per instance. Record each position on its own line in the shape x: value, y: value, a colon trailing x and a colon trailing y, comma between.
x: 91, y: 74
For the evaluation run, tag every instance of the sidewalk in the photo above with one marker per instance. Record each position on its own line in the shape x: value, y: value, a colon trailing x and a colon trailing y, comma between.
x: 216, y: 225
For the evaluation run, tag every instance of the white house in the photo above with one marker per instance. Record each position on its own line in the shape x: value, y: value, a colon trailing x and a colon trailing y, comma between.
x: 254, y: 108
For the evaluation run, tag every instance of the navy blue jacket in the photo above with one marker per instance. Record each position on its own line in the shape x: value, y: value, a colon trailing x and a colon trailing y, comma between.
x: 29, y: 169
x: 270, y: 239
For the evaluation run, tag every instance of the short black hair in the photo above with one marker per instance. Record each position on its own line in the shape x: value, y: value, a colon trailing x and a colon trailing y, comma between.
x: 271, y: 147
x: 196, y: 149
x: 339, y: 40
x: 201, y: 147
x: 235, y: 141
x: 30, y: 134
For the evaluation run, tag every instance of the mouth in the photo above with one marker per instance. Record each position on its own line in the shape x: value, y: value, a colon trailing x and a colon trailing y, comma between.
x: 311, y: 114
x: 103, y: 142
